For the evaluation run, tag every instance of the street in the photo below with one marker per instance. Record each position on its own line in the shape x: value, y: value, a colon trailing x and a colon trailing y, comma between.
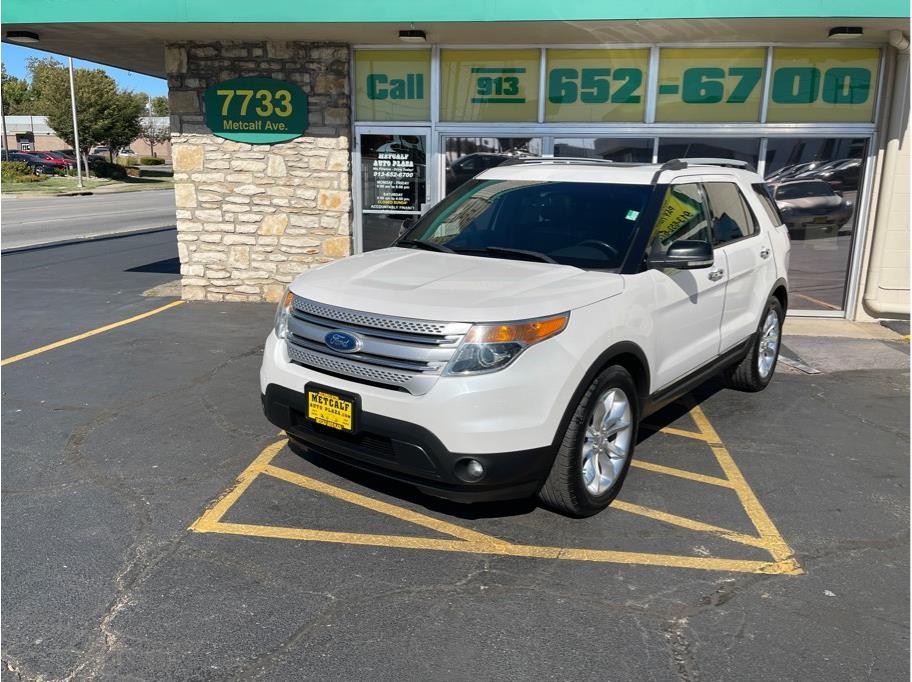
x: 40, y: 220
x: 759, y: 536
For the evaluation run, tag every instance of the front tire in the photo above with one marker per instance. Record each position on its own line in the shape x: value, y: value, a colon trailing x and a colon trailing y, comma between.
x: 595, y: 452
x: 754, y: 372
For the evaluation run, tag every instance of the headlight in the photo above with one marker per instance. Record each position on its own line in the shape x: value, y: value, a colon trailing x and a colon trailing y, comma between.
x: 282, y: 312
x: 491, y: 347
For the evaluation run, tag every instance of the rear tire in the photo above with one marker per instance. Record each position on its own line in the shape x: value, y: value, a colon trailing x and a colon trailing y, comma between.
x: 755, y: 370
x: 595, y: 452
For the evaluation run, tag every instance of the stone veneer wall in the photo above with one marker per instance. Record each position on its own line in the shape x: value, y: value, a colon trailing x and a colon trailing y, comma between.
x: 252, y: 217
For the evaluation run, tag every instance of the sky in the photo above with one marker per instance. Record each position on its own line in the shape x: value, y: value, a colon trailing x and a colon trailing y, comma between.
x: 14, y: 57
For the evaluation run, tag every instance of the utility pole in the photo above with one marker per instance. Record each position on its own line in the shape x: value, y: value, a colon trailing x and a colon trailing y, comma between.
x: 75, y: 125
x: 3, y: 116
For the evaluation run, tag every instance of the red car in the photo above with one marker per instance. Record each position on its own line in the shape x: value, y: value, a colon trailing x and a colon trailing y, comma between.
x: 55, y: 158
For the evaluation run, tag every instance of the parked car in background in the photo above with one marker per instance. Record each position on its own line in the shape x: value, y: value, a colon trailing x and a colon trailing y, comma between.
x: 126, y: 151
x: 36, y: 165
x: 843, y: 177
x: 100, y: 152
x: 811, y: 208
x: 56, y: 159
x: 795, y: 170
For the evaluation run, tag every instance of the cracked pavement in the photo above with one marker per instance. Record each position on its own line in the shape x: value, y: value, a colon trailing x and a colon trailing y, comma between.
x: 115, y: 445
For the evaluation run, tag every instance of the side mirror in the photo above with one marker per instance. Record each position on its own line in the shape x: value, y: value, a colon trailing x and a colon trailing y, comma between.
x: 685, y: 254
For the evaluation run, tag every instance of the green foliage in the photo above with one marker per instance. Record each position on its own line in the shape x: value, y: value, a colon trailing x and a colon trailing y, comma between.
x: 107, y: 116
x: 28, y: 178
x: 105, y: 169
x: 150, y: 161
x: 11, y: 169
x: 17, y: 98
x: 127, y: 160
x: 160, y: 106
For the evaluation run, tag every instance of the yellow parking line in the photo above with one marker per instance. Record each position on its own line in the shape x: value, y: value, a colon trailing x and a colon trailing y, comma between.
x: 787, y: 567
x: 690, y: 524
x: 758, y: 516
x: 382, y: 507
x: 469, y: 541
x: 85, y: 335
x: 681, y: 473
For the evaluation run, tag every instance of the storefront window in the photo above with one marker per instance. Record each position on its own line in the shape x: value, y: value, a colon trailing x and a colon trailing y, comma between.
x: 466, y: 157
x: 815, y: 183
x: 392, y: 85
x: 393, y: 185
x: 710, y: 84
x: 489, y: 85
x: 596, y: 85
x: 612, y: 149
x: 820, y: 84
x: 740, y: 149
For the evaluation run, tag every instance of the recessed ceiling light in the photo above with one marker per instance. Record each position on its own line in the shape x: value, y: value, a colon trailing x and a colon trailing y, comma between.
x: 846, y: 32
x: 412, y: 35
x: 22, y: 36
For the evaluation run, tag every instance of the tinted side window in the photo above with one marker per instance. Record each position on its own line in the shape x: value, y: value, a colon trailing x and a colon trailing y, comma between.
x: 763, y: 194
x: 683, y: 215
x: 731, y: 220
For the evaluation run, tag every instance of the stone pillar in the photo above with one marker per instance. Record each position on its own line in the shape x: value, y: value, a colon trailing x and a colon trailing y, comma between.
x: 252, y: 217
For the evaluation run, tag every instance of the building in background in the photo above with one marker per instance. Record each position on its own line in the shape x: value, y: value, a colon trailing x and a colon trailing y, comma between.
x: 405, y: 102
x: 32, y: 133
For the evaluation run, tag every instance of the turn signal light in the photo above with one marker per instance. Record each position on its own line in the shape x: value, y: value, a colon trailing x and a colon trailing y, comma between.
x: 526, y: 333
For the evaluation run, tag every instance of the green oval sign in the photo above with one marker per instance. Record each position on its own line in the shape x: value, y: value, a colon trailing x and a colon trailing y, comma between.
x: 256, y: 110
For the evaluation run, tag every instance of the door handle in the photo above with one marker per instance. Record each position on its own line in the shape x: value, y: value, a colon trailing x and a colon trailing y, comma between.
x: 764, y: 252
x: 717, y: 274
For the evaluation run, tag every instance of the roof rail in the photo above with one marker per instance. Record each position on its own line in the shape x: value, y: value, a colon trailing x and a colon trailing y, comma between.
x: 681, y: 164
x: 582, y: 160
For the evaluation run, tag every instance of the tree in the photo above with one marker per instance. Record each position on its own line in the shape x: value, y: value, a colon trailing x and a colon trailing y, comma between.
x: 160, y: 106
x: 154, y: 134
x: 107, y: 115
x: 16, y: 95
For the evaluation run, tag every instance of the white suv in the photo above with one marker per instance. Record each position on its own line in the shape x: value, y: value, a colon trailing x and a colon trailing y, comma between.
x: 510, y: 342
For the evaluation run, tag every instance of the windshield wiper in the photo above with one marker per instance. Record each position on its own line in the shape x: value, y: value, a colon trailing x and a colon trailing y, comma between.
x: 528, y: 255
x: 424, y: 244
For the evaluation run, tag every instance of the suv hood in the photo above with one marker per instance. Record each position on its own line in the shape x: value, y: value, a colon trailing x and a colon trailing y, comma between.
x: 454, y: 288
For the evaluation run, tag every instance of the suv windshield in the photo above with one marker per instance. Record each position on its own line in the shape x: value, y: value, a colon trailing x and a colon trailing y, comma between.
x: 584, y: 224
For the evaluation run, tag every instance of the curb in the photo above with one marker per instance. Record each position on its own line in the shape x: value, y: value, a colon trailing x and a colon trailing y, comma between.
x: 88, y: 238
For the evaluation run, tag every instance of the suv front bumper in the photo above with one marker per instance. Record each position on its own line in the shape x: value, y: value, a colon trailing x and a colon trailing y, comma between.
x: 409, y: 453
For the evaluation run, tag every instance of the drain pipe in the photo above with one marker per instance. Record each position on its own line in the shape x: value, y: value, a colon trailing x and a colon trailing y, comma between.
x: 895, y: 132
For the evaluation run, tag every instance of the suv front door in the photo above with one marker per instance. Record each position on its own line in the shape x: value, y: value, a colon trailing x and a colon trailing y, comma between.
x: 688, y: 303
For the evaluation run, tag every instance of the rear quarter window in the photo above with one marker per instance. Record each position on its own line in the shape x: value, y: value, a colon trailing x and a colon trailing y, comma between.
x: 766, y: 200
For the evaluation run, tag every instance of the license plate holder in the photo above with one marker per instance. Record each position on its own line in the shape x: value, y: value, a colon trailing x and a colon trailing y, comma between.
x: 331, y: 408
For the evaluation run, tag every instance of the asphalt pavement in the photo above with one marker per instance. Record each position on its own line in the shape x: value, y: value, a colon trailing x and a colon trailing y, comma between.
x: 28, y: 221
x: 760, y: 536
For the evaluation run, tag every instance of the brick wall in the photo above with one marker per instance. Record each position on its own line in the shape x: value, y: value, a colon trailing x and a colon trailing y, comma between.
x: 252, y: 217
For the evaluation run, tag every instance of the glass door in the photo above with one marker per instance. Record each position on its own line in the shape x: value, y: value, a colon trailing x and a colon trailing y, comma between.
x: 392, y: 182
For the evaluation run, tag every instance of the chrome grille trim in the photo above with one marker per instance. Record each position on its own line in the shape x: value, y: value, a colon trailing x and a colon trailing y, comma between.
x: 388, y: 322
x: 397, y: 352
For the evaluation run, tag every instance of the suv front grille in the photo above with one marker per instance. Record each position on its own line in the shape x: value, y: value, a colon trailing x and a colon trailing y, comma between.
x: 397, y: 352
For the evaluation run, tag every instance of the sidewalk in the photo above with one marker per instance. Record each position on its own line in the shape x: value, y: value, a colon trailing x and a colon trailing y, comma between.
x: 820, y: 346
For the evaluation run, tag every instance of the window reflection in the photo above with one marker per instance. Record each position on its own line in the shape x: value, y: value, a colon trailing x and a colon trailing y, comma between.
x: 815, y: 183
x: 740, y: 149
x: 612, y: 149
x: 466, y: 157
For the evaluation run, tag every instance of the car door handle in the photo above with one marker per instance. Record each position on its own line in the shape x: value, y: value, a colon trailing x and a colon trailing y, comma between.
x: 764, y: 252
x: 717, y: 274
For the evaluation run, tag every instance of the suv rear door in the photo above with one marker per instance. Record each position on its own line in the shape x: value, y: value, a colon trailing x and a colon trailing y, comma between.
x: 748, y: 253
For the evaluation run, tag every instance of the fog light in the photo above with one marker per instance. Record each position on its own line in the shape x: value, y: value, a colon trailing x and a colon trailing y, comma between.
x: 470, y: 470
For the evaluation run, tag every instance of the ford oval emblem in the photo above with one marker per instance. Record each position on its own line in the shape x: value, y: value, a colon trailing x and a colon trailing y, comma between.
x: 342, y: 342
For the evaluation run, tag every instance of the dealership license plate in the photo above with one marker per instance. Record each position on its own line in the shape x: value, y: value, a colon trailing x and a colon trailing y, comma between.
x: 331, y: 409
